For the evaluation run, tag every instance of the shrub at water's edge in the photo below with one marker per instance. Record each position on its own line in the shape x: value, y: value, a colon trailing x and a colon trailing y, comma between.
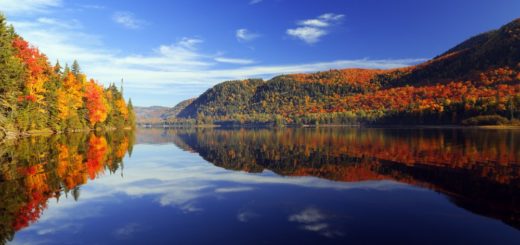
x: 36, y: 96
x: 485, y: 120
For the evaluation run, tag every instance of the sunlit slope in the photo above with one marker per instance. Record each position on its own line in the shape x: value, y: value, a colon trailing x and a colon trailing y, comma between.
x: 480, y: 76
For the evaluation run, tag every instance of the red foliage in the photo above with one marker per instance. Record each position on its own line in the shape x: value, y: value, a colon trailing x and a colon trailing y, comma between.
x: 96, y: 104
x: 96, y: 155
x: 31, y: 211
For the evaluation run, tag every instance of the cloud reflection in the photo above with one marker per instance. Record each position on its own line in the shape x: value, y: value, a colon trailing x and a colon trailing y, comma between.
x: 127, y: 231
x: 179, y: 179
x: 315, y: 220
x: 246, y: 216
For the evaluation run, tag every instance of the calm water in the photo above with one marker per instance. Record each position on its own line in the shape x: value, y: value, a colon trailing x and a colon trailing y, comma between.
x: 292, y: 186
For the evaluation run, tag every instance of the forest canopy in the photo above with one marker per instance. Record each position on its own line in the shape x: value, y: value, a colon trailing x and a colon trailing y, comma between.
x: 38, y: 96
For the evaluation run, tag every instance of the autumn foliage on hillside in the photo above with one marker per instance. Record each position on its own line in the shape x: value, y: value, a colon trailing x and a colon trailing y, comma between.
x: 376, y: 96
x: 478, y: 78
x: 359, y: 78
x: 36, y: 95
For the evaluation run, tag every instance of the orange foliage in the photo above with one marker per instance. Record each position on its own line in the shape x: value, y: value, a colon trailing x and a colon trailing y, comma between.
x: 37, y: 68
x: 72, y: 169
x: 427, y: 98
x: 95, y: 102
x: 121, y: 106
x: 361, y: 78
x: 96, y: 155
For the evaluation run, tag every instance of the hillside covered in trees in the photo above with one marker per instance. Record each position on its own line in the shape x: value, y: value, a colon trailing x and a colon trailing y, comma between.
x: 476, y: 82
x: 38, y: 96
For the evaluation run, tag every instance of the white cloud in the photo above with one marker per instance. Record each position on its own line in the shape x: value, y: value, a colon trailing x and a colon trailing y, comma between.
x: 308, y: 34
x: 245, y: 35
x: 314, y: 22
x: 252, y: 2
x: 27, y: 6
x: 71, y: 24
x: 92, y: 6
x: 179, y: 56
x: 189, y: 43
x: 331, y: 17
x: 234, y: 61
x: 128, y: 20
x: 311, y: 30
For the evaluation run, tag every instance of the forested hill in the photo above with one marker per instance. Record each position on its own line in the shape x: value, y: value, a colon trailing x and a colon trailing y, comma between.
x: 151, y: 114
x: 477, y: 81
x: 38, y: 96
x: 158, y: 114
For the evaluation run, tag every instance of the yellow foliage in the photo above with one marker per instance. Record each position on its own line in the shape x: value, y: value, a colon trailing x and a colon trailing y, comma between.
x: 121, y: 106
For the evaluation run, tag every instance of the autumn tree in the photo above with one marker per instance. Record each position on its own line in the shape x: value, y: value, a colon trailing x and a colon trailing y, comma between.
x: 96, y: 103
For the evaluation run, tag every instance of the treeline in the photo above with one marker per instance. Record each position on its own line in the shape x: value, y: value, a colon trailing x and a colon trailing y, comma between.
x: 477, y: 82
x: 36, y: 95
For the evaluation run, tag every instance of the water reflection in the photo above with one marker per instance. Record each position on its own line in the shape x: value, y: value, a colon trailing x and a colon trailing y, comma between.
x: 478, y: 169
x: 290, y: 186
x: 37, y: 169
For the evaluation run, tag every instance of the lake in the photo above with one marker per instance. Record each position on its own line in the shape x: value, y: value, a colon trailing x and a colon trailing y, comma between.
x: 263, y: 186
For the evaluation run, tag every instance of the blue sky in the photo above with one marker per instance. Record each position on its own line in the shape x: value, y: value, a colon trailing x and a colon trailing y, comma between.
x: 168, y: 51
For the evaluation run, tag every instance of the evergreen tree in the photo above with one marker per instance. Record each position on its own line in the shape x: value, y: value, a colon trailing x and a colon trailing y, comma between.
x: 76, y: 70
x: 131, y: 114
x: 11, y: 75
x: 66, y: 70
x: 57, y: 68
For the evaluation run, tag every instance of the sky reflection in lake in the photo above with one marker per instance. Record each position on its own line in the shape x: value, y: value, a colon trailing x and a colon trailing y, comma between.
x: 167, y: 193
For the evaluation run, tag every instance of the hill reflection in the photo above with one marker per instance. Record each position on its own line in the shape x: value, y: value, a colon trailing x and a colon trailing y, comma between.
x: 479, y: 170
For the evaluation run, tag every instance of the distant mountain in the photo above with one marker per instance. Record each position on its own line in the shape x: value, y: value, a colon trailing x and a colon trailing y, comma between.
x: 173, y: 112
x: 159, y: 114
x: 478, y: 79
x: 152, y: 114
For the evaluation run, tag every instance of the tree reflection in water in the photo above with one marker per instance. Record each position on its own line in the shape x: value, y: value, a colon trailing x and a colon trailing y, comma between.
x: 478, y: 170
x: 36, y: 169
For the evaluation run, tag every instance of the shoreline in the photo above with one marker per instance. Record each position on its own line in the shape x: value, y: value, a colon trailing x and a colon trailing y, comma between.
x: 509, y: 127
x: 13, y: 135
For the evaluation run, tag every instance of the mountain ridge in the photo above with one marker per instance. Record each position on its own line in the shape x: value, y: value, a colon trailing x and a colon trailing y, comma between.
x: 478, y: 77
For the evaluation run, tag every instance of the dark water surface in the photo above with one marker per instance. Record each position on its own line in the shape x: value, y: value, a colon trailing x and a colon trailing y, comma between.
x: 266, y: 186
